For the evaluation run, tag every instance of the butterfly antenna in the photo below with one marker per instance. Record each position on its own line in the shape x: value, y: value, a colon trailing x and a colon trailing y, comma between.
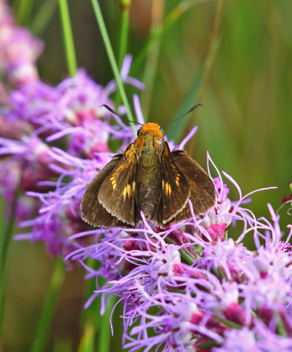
x: 192, y: 109
x: 121, y: 117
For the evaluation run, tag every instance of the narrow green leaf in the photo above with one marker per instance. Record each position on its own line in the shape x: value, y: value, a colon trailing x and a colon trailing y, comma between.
x: 88, y: 337
x: 68, y: 38
x: 112, y: 60
x: 280, y: 325
x: 230, y: 323
x: 104, y: 337
x: 4, y: 248
x: 125, y: 6
x: 49, y: 307
x: 24, y: 12
x: 188, y: 259
x: 175, y: 130
x: 208, y: 344
x: 43, y: 17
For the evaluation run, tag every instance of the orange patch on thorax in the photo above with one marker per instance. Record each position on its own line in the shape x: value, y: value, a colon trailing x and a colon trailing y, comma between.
x: 148, y: 128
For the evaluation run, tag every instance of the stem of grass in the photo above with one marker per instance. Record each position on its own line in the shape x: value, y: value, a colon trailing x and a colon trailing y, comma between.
x: 152, y: 56
x: 125, y: 6
x: 43, y: 17
x: 105, y: 330
x: 24, y: 12
x: 49, y: 307
x: 3, y: 262
x: 112, y: 60
x: 68, y: 38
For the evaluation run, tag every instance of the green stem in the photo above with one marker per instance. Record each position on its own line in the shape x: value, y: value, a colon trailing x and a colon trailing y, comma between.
x: 125, y: 6
x: 3, y: 268
x: 188, y: 259
x: 112, y: 60
x: 87, y: 340
x: 152, y: 56
x: 229, y: 323
x: 3, y: 259
x: 207, y: 345
x: 50, y: 305
x: 68, y: 38
x: 91, y: 320
x: 24, y: 12
x: 105, y: 331
x: 43, y: 17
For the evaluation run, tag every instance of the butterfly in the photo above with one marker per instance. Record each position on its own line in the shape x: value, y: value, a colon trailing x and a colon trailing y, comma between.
x: 150, y: 178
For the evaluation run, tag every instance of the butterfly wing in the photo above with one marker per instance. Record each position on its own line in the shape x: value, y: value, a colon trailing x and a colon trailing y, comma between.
x: 92, y: 211
x: 118, y: 193
x: 202, y: 188
x: 175, y: 190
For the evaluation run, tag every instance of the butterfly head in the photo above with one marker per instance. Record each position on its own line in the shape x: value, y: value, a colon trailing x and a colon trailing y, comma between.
x: 150, y: 131
x: 151, y: 128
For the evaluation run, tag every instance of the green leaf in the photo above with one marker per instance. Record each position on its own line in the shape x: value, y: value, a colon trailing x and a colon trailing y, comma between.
x: 176, y: 129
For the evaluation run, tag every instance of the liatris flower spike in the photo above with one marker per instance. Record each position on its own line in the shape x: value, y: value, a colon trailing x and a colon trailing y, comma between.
x: 190, y: 287
x: 48, y: 179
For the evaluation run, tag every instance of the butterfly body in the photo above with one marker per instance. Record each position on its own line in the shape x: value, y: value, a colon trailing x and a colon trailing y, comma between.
x: 149, y: 149
x: 150, y: 178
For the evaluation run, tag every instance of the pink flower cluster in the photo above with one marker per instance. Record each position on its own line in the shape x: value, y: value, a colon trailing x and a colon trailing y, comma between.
x: 191, y: 288
x: 19, y: 50
x: 49, y: 136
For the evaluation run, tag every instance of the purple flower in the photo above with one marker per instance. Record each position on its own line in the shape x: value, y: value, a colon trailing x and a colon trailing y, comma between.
x: 200, y: 285
x: 19, y: 50
x: 238, y: 341
x: 58, y: 141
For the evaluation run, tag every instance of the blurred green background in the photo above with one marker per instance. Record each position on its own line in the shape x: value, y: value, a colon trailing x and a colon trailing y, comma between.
x: 232, y: 56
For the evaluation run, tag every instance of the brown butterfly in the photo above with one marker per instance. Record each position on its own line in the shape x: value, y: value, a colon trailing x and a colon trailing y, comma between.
x: 150, y: 178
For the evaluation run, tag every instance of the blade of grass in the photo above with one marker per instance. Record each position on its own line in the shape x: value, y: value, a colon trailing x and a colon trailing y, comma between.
x: 112, y: 60
x: 62, y: 344
x: 175, y: 130
x: 152, y: 56
x: 49, y: 307
x: 91, y: 320
x: 43, y: 17
x: 24, y: 12
x: 3, y: 262
x: 213, y: 48
x: 68, y: 38
x: 88, y: 337
x: 125, y: 6
x: 90, y: 316
x: 169, y: 20
x: 105, y: 331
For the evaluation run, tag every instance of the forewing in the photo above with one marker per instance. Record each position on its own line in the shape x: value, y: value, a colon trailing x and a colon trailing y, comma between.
x: 92, y: 211
x: 118, y: 194
x: 175, y: 190
x: 202, y: 188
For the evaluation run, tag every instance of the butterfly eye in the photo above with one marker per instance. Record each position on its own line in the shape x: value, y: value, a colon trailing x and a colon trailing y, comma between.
x: 162, y: 131
x: 138, y: 131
